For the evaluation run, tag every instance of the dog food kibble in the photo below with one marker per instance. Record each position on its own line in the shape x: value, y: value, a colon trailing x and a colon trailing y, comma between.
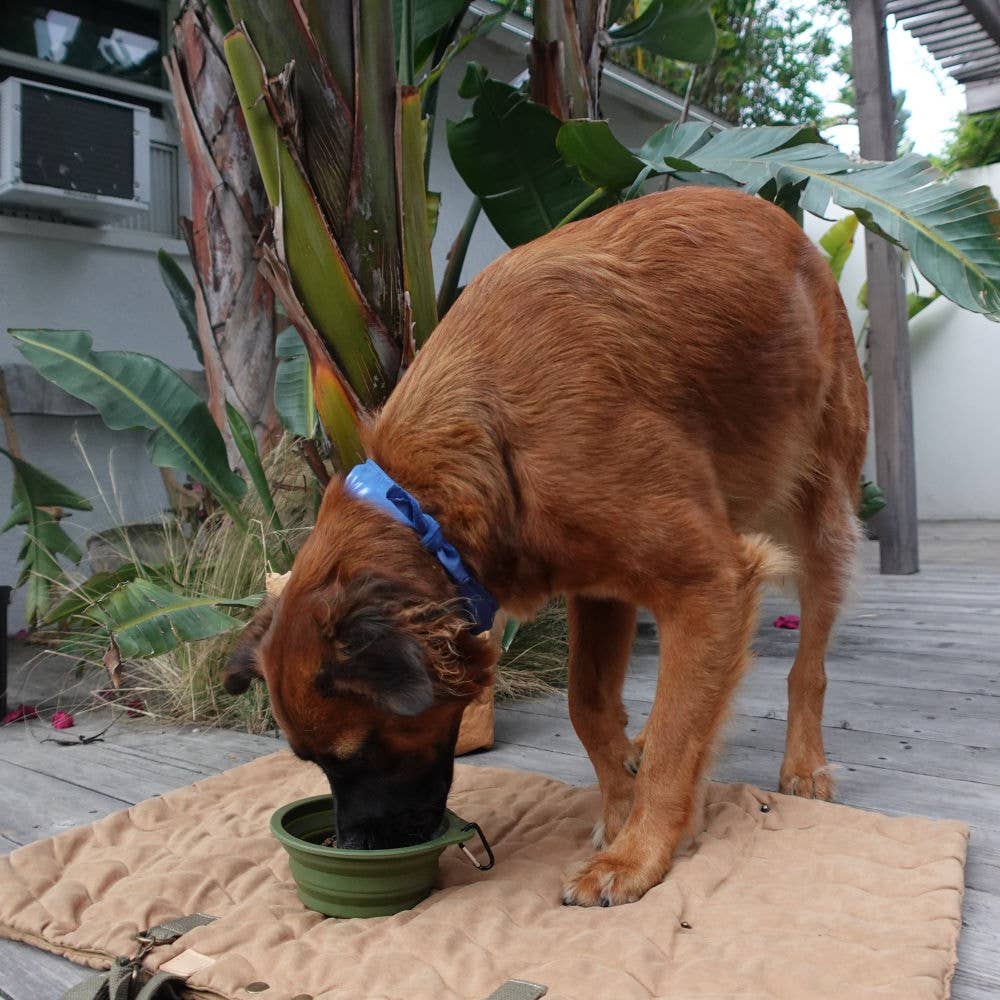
x: 330, y: 841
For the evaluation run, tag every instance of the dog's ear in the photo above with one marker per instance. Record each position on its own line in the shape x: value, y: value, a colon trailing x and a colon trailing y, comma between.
x: 371, y: 651
x: 243, y: 666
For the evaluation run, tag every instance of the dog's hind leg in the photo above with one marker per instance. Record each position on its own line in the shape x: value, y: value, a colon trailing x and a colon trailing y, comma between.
x: 825, y: 538
x: 600, y: 640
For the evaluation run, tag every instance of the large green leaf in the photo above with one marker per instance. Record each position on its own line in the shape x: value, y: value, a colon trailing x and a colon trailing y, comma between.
x: 416, y: 234
x: 951, y: 232
x: 429, y: 18
x: 602, y: 160
x: 505, y: 150
x: 136, y: 391
x: 146, y: 620
x: 677, y: 29
x: 182, y: 292
x: 293, y: 391
x: 838, y: 242
x: 34, y: 497
x: 79, y: 600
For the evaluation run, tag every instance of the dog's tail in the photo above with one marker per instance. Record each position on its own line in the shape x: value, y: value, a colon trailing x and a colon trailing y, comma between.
x: 764, y: 561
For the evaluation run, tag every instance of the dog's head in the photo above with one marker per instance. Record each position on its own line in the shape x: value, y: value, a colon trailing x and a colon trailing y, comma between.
x: 369, y: 664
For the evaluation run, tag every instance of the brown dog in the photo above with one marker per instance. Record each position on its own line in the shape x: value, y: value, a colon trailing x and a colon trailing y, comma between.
x: 623, y: 411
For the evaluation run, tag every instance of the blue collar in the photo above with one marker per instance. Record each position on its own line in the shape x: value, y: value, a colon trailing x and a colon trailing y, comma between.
x: 369, y: 482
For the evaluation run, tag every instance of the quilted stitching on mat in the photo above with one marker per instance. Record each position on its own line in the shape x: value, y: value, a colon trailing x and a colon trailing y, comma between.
x: 806, y: 900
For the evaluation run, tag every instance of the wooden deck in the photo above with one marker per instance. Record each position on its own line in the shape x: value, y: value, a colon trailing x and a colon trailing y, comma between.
x: 912, y: 726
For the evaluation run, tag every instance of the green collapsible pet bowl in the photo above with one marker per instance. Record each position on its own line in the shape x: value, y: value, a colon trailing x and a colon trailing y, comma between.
x: 349, y: 883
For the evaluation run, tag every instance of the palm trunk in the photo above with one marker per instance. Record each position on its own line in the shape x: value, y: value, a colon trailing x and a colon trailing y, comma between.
x: 235, y: 304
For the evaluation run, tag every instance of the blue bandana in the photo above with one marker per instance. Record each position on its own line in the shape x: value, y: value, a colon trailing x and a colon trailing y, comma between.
x: 370, y: 482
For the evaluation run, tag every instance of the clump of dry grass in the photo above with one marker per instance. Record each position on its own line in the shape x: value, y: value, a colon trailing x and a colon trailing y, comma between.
x: 223, y: 560
x: 220, y: 559
x: 535, y: 664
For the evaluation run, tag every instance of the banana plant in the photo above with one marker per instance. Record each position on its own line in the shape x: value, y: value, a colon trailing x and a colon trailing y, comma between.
x: 132, y: 391
x: 37, y: 503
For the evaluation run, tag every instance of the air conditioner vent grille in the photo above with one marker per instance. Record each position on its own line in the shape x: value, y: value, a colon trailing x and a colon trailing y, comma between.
x: 76, y: 144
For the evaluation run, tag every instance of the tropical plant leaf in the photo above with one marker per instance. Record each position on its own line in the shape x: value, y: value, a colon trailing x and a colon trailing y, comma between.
x: 429, y: 18
x: 838, y: 242
x: 83, y: 597
x: 145, y: 619
x: 676, y: 29
x: 505, y: 150
x: 132, y: 391
x: 616, y: 11
x: 35, y: 496
x: 917, y: 303
x: 872, y: 500
x: 320, y: 276
x: 182, y: 292
x: 246, y: 444
x: 601, y: 159
x: 293, y: 390
x: 951, y: 232
x: 417, y: 261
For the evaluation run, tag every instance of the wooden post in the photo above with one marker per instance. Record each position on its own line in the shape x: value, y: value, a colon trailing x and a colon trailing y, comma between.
x: 889, y: 340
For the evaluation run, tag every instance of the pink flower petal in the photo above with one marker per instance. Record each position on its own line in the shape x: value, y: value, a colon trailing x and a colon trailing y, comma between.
x: 62, y: 720
x: 786, y: 621
x: 19, y: 714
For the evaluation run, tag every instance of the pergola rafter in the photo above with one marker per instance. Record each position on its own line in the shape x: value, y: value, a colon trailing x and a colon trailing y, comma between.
x: 964, y: 37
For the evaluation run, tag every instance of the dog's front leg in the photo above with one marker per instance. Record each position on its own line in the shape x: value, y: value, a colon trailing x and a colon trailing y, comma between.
x: 600, y: 640
x: 704, y: 638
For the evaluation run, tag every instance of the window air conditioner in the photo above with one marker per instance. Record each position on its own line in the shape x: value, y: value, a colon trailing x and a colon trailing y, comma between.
x: 86, y: 157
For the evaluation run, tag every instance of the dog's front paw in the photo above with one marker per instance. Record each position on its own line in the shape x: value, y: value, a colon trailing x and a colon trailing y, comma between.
x: 607, y: 880
x: 815, y: 784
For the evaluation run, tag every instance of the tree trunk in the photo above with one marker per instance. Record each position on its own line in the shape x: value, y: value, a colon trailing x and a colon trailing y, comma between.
x: 235, y: 305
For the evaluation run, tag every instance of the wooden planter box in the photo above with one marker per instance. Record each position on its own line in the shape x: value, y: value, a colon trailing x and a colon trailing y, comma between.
x: 476, y: 732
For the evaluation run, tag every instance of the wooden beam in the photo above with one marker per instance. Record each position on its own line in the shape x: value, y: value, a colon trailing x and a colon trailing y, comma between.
x: 982, y: 96
x: 987, y: 13
x: 888, y: 339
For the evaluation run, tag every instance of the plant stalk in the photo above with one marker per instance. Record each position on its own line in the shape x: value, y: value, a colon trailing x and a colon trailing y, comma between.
x: 591, y: 199
x: 456, y: 260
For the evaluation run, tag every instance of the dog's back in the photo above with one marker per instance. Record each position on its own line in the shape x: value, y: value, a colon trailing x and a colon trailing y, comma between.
x: 698, y: 326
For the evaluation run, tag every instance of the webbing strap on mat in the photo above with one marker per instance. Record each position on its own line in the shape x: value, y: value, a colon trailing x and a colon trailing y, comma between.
x: 121, y: 981
x: 518, y: 989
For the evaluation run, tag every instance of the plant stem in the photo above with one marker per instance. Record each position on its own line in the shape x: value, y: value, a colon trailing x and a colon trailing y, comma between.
x: 456, y: 259
x: 406, y: 70
x: 220, y: 14
x: 685, y: 111
x: 432, y: 84
x: 591, y: 199
x: 311, y: 454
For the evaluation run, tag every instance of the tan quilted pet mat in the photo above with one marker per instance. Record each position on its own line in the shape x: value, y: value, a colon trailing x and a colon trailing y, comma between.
x: 804, y: 900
